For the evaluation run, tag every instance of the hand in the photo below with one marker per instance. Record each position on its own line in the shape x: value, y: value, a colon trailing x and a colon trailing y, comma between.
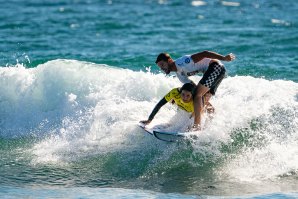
x: 145, y: 122
x: 229, y: 57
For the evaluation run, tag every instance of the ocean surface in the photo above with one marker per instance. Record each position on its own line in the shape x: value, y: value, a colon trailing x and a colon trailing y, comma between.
x: 76, y: 77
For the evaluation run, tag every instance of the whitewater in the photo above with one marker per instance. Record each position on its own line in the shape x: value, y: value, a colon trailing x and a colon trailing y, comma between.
x: 73, y: 115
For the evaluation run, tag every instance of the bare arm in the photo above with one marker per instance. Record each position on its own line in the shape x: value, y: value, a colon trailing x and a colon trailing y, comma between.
x: 212, y: 55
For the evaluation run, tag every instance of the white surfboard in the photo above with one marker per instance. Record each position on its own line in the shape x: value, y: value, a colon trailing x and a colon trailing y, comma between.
x: 148, y: 130
x: 163, y: 135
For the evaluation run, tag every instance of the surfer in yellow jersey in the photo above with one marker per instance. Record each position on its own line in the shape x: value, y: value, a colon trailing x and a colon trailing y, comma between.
x: 183, y: 98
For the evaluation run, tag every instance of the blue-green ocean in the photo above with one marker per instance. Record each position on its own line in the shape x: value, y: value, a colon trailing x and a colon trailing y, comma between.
x: 76, y: 77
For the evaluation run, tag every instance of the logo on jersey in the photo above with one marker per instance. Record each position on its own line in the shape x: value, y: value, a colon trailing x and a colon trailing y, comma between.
x: 192, y: 73
x: 187, y: 60
x: 168, y: 95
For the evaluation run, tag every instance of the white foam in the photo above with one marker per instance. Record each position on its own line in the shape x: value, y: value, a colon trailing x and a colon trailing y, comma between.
x: 230, y: 3
x: 198, y: 3
x: 80, y: 109
x: 241, y: 100
x: 281, y: 22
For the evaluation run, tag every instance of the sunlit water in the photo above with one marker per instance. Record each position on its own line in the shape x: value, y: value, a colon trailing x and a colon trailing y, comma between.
x: 77, y: 76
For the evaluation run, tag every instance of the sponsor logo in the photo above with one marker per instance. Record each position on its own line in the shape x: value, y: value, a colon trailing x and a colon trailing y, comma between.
x: 187, y: 60
x: 192, y: 73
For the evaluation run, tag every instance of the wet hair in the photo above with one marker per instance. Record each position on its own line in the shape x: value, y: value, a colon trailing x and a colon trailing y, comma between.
x: 162, y: 57
x: 188, y: 87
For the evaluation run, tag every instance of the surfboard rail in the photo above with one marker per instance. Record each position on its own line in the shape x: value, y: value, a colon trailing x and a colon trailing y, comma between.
x: 168, y: 136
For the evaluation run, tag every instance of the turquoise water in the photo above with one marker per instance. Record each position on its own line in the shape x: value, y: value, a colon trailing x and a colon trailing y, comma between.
x: 129, y: 34
x: 77, y: 76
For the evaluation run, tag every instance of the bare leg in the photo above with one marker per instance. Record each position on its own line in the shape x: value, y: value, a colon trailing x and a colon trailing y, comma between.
x: 208, y: 106
x: 198, y: 104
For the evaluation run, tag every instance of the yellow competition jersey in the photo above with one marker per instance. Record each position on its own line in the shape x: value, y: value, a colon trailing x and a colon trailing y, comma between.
x: 175, y: 95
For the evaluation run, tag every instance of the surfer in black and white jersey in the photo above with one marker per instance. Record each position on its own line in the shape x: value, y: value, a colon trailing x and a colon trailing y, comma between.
x: 206, y: 62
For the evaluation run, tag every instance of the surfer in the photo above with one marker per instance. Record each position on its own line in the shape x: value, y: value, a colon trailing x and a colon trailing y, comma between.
x: 205, y: 62
x: 183, y: 98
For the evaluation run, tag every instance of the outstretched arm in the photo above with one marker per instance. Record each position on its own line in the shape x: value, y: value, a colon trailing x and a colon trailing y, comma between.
x: 212, y: 55
x: 162, y: 102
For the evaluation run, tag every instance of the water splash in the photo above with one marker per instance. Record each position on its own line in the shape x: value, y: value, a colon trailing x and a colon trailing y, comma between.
x: 78, y: 110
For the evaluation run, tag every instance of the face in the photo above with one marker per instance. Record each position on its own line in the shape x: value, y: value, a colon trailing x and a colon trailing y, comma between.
x: 186, y: 96
x: 164, y: 66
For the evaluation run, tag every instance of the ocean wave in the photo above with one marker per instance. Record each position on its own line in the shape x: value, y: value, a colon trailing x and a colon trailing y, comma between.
x: 79, y: 111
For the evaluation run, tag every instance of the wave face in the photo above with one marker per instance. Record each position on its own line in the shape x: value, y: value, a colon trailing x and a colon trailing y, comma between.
x: 80, y: 116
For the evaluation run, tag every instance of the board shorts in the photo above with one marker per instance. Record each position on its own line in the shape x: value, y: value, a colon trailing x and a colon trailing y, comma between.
x: 213, y: 76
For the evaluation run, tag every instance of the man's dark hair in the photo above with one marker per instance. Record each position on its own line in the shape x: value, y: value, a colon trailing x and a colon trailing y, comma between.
x: 162, y: 57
